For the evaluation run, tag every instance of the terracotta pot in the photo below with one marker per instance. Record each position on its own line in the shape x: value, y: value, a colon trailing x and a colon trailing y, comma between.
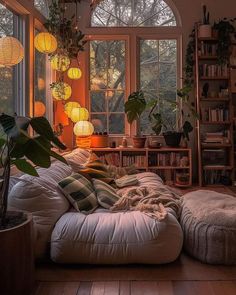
x: 204, y: 31
x: 139, y: 142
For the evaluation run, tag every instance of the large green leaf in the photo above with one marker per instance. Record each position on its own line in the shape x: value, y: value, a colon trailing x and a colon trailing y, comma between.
x: 7, y: 123
x: 25, y: 167
x: 58, y: 157
x: 187, y: 128
x: 135, y: 106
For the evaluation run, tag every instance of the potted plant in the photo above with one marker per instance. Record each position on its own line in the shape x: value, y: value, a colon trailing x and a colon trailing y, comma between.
x: 19, y: 148
x: 205, y: 30
x: 134, y: 107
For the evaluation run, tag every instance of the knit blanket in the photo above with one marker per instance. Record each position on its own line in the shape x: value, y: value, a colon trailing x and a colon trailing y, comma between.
x: 151, y: 201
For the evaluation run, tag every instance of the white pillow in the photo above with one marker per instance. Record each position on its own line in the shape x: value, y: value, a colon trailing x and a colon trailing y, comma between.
x: 77, y: 158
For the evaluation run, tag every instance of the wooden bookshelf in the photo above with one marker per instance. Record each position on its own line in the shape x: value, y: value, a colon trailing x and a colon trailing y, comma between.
x: 207, y: 71
x: 167, y: 162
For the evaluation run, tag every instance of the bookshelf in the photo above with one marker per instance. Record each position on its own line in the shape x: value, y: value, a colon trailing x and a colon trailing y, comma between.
x: 173, y: 165
x: 214, y: 104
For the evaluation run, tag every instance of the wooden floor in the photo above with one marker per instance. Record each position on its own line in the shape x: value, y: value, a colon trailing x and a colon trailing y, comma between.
x: 185, y: 276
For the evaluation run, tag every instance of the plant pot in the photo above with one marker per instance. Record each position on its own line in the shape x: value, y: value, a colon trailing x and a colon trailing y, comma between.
x: 204, y: 31
x: 139, y: 142
x: 17, y: 260
x: 172, y: 139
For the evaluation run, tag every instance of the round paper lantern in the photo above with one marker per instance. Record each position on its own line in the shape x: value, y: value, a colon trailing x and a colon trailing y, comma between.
x: 61, y: 91
x: 79, y: 114
x: 11, y: 51
x: 69, y: 106
x: 74, y: 73
x: 45, y: 43
x: 83, y: 129
x: 39, y: 109
x: 60, y: 62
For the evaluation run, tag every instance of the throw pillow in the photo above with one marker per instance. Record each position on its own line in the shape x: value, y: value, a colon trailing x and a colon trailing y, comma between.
x: 127, y: 180
x: 106, y: 194
x: 79, y: 192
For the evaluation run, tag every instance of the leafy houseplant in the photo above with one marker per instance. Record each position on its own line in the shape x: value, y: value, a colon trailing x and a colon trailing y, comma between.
x: 24, y: 151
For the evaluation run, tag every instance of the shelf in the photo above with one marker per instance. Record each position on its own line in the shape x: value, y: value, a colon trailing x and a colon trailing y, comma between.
x: 213, y: 78
x: 215, y: 99
x: 216, y: 145
x: 215, y: 123
x: 210, y: 39
x: 217, y: 167
x: 168, y: 167
x: 205, y: 57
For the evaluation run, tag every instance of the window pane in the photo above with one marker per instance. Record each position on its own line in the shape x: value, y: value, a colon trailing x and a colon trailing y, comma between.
x: 116, y: 124
x: 99, y: 122
x: 7, y: 103
x: 107, y: 83
x: 158, y: 69
x: 40, y: 101
x: 132, y: 13
x: 42, y: 6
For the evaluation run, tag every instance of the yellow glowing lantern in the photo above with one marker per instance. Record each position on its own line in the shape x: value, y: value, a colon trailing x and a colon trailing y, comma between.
x: 74, y: 73
x: 39, y: 109
x: 41, y: 84
x: 60, y: 62
x: 45, y: 43
x: 11, y: 51
x: 83, y: 130
x: 69, y: 106
x: 79, y: 114
x: 61, y: 91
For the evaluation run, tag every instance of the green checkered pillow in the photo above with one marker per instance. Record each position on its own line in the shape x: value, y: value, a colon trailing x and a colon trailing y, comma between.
x: 80, y: 193
x: 106, y: 194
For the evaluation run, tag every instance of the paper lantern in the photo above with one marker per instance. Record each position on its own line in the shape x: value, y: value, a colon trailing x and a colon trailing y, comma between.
x: 60, y: 62
x: 74, y: 73
x: 79, y: 114
x: 61, y: 91
x: 69, y: 106
x: 83, y: 129
x: 45, y: 43
x: 39, y: 109
x: 11, y: 51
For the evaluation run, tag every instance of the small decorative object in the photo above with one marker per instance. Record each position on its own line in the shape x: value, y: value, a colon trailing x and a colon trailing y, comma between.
x: 69, y: 106
x: 11, y: 51
x: 99, y: 140
x: 153, y: 142
x: 113, y: 144
x: 83, y: 131
x: 60, y: 62
x: 61, y: 90
x: 184, y: 161
x: 45, y: 43
x: 79, y: 114
x: 205, y: 30
x: 39, y: 109
x: 124, y: 142
x: 182, y: 179
x: 74, y: 73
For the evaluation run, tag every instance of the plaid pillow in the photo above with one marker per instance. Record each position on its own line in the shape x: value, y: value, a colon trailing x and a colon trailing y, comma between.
x: 106, y: 194
x: 79, y: 192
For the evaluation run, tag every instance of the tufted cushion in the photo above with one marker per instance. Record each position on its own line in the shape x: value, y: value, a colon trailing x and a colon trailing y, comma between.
x: 208, y: 219
x: 115, y: 238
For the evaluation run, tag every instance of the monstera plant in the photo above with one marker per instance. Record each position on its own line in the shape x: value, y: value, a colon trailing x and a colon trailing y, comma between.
x: 26, y: 143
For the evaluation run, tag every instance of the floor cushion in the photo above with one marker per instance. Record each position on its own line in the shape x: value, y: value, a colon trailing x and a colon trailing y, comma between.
x: 208, y: 220
x: 115, y: 238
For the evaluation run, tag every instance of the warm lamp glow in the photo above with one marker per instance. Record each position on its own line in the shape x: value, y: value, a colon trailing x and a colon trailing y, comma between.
x: 41, y: 84
x: 61, y: 91
x: 69, y: 106
x: 79, y: 114
x: 45, y: 43
x: 11, y: 51
x: 60, y: 62
x: 39, y: 109
x: 83, y: 129
x: 74, y: 73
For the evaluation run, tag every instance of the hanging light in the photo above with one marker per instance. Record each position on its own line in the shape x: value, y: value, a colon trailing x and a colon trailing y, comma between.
x: 11, y: 51
x: 60, y: 62
x: 69, y: 106
x: 74, y: 73
x: 61, y: 91
x: 79, y: 114
x: 83, y: 131
x: 39, y: 109
x: 45, y: 43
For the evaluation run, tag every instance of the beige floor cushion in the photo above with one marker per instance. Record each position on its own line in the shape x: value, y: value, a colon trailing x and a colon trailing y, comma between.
x: 208, y: 220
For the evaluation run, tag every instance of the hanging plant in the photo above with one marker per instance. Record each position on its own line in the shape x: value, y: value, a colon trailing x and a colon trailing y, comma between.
x: 189, y: 61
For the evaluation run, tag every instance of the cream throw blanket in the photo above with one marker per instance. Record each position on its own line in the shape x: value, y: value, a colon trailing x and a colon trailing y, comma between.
x: 149, y: 200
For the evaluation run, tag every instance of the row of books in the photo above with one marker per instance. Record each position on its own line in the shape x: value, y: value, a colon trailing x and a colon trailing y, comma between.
x: 207, y: 49
x: 217, y: 137
x: 173, y: 159
x: 207, y: 70
x: 218, y: 114
x: 214, y: 157
x: 110, y: 159
x: 216, y: 177
x: 137, y: 160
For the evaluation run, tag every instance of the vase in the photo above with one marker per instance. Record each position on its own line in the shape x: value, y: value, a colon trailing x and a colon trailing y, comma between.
x: 205, y: 31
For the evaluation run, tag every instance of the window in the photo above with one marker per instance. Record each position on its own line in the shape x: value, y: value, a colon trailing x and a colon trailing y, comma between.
x: 107, y: 85
x: 7, y: 74
x: 148, y: 63
x: 42, y: 6
x: 133, y: 13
